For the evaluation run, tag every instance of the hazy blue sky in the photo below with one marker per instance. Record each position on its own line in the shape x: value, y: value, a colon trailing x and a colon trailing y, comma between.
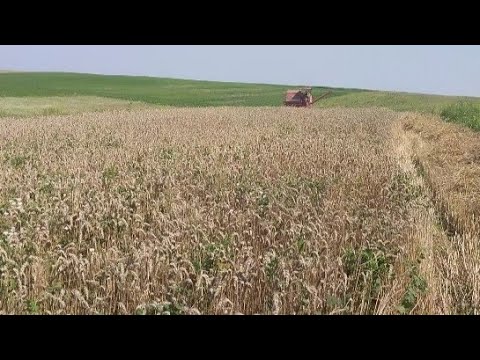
x: 422, y: 68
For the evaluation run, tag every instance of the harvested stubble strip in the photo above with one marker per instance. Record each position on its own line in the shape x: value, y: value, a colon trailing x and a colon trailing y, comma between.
x: 448, y: 158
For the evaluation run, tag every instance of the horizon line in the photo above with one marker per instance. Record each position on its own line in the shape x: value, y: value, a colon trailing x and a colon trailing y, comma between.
x: 10, y: 71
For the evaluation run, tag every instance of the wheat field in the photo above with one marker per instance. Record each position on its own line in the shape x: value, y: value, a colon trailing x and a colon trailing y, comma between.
x: 235, y: 211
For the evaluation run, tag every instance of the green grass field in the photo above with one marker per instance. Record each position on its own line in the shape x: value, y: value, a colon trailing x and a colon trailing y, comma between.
x: 159, y: 91
x: 395, y: 101
x: 466, y: 113
x: 25, y: 94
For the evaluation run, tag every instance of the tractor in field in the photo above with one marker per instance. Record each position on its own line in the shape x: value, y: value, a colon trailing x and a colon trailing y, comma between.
x: 301, y: 97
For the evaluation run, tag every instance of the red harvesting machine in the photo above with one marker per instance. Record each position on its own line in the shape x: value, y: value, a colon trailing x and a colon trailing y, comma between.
x: 301, y: 98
